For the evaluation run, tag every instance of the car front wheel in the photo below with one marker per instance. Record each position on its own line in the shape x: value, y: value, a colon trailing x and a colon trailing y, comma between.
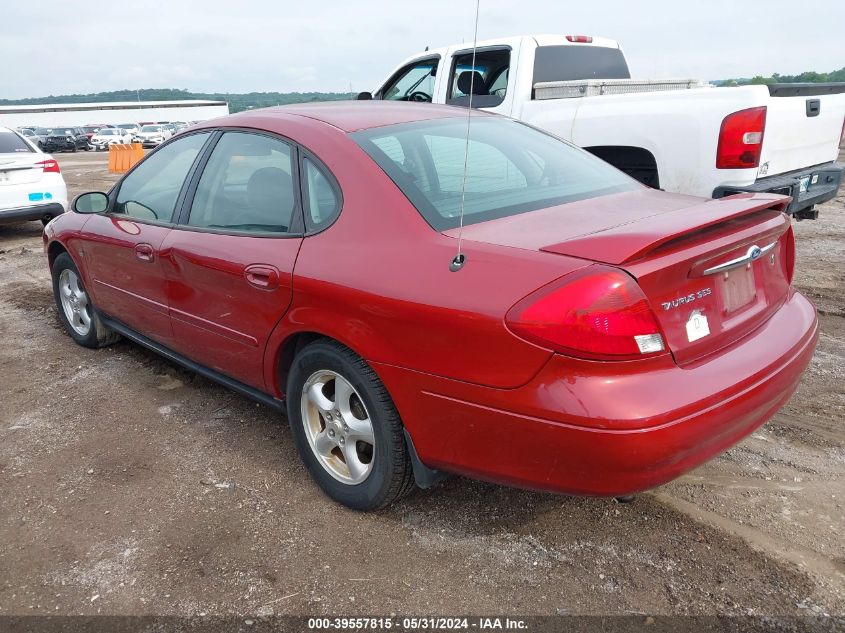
x: 346, y: 428
x: 76, y: 310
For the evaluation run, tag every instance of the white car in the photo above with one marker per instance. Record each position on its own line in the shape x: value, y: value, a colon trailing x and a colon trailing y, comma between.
x: 110, y: 136
x: 153, y: 135
x: 31, y: 184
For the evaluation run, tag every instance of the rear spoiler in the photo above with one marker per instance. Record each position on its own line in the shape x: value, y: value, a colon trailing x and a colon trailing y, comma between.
x: 627, y: 242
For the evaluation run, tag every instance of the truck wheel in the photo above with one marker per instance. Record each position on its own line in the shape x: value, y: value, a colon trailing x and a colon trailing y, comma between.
x: 76, y: 310
x: 346, y: 428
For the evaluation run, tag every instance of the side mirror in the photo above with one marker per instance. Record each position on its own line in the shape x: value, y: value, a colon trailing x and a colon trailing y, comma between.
x: 364, y: 96
x: 92, y: 202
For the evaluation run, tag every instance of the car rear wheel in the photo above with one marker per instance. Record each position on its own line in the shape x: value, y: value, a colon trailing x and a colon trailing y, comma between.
x: 76, y: 311
x: 346, y: 428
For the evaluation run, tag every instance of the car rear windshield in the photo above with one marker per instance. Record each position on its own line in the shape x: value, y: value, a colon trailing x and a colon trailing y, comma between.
x: 511, y: 168
x: 11, y: 143
x: 151, y: 128
x: 572, y: 62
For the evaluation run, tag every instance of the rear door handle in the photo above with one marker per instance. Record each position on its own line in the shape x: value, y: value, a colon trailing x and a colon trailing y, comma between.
x: 262, y: 276
x: 145, y: 252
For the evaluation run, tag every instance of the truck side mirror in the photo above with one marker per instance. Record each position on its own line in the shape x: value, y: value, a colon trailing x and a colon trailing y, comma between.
x: 364, y: 96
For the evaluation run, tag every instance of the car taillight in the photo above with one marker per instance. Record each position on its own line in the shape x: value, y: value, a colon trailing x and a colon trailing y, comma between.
x: 741, y: 139
x: 598, y: 313
x: 789, y: 246
x: 49, y: 166
x: 581, y: 39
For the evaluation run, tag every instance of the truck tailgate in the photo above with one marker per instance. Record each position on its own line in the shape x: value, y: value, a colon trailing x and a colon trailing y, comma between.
x: 801, y: 131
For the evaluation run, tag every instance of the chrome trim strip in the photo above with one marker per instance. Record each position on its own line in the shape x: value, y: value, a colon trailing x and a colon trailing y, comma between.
x: 754, y: 253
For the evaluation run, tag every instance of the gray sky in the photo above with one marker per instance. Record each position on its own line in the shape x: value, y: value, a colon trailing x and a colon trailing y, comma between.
x: 61, y: 47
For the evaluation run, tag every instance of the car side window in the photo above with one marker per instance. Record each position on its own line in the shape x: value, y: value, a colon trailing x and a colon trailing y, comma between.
x: 415, y: 82
x: 247, y: 185
x: 322, y: 202
x: 150, y: 191
x: 487, y: 78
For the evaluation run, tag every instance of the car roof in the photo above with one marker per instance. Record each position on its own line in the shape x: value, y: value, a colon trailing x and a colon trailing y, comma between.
x: 351, y: 116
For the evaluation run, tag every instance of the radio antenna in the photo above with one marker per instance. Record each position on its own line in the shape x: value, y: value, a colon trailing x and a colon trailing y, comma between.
x: 460, y: 259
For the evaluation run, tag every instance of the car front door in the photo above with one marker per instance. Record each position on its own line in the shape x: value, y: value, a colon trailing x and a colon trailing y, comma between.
x: 122, y: 248
x: 230, y: 260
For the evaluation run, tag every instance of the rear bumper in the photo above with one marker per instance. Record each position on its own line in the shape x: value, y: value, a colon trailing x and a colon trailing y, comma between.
x: 35, y: 212
x: 828, y: 178
x: 592, y: 428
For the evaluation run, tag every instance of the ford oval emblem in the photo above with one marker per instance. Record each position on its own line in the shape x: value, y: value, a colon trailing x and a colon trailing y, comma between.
x: 754, y: 252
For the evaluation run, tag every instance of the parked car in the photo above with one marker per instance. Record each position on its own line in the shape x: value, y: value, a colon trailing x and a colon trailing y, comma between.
x: 39, y: 136
x: 66, y: 139
x: 683, y: 136
x: 31, y: 184
x: 91, y: 130
x: 593, y: 336
x: 153, y: 135
x: 132, y: 128
x: 110, y: 136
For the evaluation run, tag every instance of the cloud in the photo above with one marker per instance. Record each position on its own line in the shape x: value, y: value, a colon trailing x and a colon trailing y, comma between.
x: 262, y: 45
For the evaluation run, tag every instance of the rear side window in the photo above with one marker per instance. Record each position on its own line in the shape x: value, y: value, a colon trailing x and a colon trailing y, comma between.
x: 150, y: 191
x: 511, y: 168
x: 575, y: 61
x: 11, y: 143
x: 322, y: 202
x: 247, y: 185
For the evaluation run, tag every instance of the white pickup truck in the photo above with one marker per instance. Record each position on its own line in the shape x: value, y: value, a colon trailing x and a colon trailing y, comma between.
x: 685, y: 136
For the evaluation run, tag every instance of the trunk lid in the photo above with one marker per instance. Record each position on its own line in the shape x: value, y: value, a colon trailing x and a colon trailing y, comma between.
x: 20, y: 169
x: 712, y: 270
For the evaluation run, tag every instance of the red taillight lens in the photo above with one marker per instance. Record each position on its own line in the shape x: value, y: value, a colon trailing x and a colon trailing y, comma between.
x: 49, y: 166
x: 597, y: 313
x: 789, y: 246
x: 741, y: 139
x: 581, y: 39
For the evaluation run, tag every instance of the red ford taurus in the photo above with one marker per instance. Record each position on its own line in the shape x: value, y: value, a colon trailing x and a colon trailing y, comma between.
x: 600, y: 338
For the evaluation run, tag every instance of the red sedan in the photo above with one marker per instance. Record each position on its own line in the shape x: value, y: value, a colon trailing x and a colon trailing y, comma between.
x: 600, y: 338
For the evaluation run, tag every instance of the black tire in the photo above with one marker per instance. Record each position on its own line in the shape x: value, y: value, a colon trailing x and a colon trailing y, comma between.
x: 391, y: 476
x: 99, y: 334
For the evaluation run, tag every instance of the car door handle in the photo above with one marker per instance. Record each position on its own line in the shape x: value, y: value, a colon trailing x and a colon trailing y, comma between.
x: 145, y: 252
x: 262, y: 276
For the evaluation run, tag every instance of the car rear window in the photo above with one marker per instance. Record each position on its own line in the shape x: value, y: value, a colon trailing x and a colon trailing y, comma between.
x: 511, y: 168
x: 578, y: 61
x: 11, y: 143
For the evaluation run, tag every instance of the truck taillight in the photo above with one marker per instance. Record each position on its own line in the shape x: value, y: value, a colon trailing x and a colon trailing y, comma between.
x: 741, y: 139
x: 581, y: 39
x: 49, y: 166
x: 597, y: 313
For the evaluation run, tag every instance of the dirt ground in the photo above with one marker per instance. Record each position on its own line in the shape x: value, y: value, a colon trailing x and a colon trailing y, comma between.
x: 131, y: 486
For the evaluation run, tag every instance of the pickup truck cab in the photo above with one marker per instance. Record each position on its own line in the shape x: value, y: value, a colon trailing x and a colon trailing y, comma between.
x: 680, y: 135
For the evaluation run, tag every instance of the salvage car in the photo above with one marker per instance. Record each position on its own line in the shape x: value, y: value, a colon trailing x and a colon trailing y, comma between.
x: 153, y: 135
x: 526, y: 314
x: 110, y: 136
x: 66, y: 139
x: 31, y: 184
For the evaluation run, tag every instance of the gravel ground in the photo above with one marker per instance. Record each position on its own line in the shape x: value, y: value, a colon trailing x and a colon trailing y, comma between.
x: 131, y: 486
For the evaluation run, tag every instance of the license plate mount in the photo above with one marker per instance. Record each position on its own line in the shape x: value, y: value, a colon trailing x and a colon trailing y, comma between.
x: 738, y: 289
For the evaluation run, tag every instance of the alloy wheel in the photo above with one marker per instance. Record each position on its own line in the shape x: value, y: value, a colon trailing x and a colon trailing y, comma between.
x: 338, y: 426
x: 75, y: 302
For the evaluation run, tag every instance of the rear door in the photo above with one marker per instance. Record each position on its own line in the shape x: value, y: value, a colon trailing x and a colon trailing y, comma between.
x: 122, y: 248
x: 230, y: 261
